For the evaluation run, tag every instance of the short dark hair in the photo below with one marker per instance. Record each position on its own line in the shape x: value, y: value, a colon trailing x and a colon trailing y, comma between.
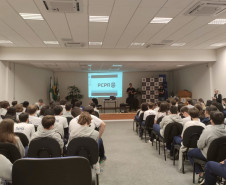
x: 31, y: 109
x: 150, y: 105
x: 189, y: 100
x: 193, y: 112
x: 63, y: 102
x: 5, y: 104
x: 25, y: 104
x: 19, y: 108
x: 184, y: 109
x: 78, y: 103
x: 217, y: 117
x: 48, y: 112
x: 93, y: 105
x: 218, y: 105
x: 88, y: 109
x: 144, y: 106
x: 48, y: 121
x: 180, y: 105
x: 173, y: 102
x: 14, y: 103
x: 58, y: 109
x: 164, y: 107
x: 68, y: 106
x: 211, y: 108
x: 23, y: 117
x: 40, y: 100
x: 173, y: 109
x: 76, y: 111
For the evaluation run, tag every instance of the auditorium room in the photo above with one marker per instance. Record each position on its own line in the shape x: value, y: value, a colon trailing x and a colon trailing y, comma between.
x: 112, y: 92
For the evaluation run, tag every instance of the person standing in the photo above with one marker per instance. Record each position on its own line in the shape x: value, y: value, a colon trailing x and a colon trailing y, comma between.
x: 161, y: 94
x: 217, y: 96
x: 131, y: 92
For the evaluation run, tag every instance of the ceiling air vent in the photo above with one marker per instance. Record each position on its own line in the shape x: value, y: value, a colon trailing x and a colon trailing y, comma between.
x: 63, y: 6
x: 156, y: 45
x: 207, y: 8
x: 73, y: 44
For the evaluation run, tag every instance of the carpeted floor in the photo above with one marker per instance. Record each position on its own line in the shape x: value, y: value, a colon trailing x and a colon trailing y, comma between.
x: 131, y: 161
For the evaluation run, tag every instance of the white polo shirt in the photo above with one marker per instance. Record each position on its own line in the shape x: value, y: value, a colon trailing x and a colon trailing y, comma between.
x: 25, y: 128
x: 149, y: 112
x: 35, y: 120
x: 60, y: 124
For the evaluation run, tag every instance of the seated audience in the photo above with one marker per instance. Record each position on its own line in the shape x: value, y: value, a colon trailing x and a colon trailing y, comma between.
x: 4, y: 107
x: 213, y: 170
x: 150, y: 111
x: 67, y: 112
x: 47, y: 130
x: 14, y: 103
x: 42, y: 111
x: 33, y: 119
x: 62, y: 104
x: 184, y: 112
x: 157, y: 106
x: 163, y: 111
x: 25, y: 105
x: 5, y: 169
x: 19, y: 110
x: 40, y: 104
x: 215, y: 130
x: 201, y: 111
x: 24, y: 127
x: 7, y: 135
x: 201, y: 102
x: 94, y: 107
x: 208, y: 110
x: 11, y: 114
x: 190, y: 103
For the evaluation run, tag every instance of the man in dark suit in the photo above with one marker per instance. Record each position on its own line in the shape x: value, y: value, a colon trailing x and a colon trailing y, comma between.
x: 217, y: 96
x: 131, y: 92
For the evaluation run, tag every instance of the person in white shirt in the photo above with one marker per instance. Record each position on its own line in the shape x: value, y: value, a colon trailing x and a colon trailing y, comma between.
x: 5, y: 169
x: 185, y: 114
x: 19, y: 110
x: 63, y: 104
x: 67, y: 113
x: 61, y: 123
x: 190, y: 104
x: 24, y: 126
x: 33, y: 119
x: 40, y: 104
x: 150, y: 111
x: 4, y: 106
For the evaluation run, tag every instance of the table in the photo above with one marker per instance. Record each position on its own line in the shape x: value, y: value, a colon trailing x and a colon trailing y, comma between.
x: 110, y: 101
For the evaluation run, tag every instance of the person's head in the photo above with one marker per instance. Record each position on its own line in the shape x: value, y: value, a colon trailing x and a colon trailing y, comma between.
x: 68, y: 107
x: 180, y: 105
x: 25, y: 104
x: 208, y: 102
x: 93, y: 105
x: 218, y: 105
x: 89, y: 109
x: 216, y: 91
x: 58, y: 110
x: 177, y: 100
x: 184, y: 111
x: 11, y: 111
x: 201, y: 100
x: 63, y: 102
x: 48, y: 122
x: 6, y: 131
x: 23, y: 117
x: 164, y: 107
x: 5, y: 104
x: 173, y: 102
x: 19, y: 108
x: 193, y: 112
x: 76, y: 111
x: 189, y: 100
x: 144, y: 106
x: 78, y: 103
x: 40, y: 102
x: 217, y: 118
x: 84, y: 118
x: 210, y: 109
x: 173, y: 109
x: 14, y: 103
x: 43, y: 109
x: 151, y: 105
x: 31, y: 109
x: 49, y: 112
x: 130, y: 85
x: 199, y: 107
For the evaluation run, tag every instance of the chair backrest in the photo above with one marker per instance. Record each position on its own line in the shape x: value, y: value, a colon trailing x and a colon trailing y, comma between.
x: 141, y: 117
x: 85, y: 147
x: 191, y: 136
x: 217, y: 150
x: 171, y: 130
x: 44, y: 147
x: 23, y: 138
x: 95, y: 113
x: 52, y: 171
x: 159, y: 119
x: 149, y: 121
x: 10, y: 151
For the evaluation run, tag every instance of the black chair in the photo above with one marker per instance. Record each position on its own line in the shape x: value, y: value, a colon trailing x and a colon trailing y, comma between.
x: 190, y: 138
x: 10, y: 151
x: 148, y: 126
x: 216, y: 152
x: 23, y: 138
x: 135, y: 120
x: 52, y: 171
x: 69, y: 119
x: 44, y: 148
x: 139, y: 129
x: 154, y: 134
x: 84, y: 147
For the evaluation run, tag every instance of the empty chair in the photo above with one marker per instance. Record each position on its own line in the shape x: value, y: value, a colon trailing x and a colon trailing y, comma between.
x: 52, y: 171
x: 10, y: 151
x: 23, y: 138
x: 44, y: 148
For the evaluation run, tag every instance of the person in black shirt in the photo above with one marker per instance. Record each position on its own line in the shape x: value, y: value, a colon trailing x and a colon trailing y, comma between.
x: 131, y: 92
x: 217, y: 96
x: 161, y: 94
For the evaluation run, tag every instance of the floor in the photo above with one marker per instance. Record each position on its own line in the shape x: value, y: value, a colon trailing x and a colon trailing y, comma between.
x: 131, y: 161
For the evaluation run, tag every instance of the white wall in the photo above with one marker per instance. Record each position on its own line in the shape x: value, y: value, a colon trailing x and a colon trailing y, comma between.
x: 81, y: 81
x: 195, y: 79
x: 23, y: 82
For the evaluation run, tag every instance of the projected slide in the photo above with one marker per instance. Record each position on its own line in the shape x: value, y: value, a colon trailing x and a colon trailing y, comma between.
x: 105, y: 84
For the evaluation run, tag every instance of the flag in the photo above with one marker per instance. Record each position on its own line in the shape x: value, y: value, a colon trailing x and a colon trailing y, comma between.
x: 55, y: 90
x: 51, y: 89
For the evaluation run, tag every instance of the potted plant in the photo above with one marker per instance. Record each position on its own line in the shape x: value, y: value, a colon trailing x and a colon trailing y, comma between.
x: 73, y: 93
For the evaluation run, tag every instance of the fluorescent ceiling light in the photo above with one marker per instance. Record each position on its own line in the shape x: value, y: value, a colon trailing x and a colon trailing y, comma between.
x: 5, y: 42
x: 161, y: 20
x: 98, y: 18
x: 218, y: 21
x: 116, y: 65
x: 32, y: 16
x: 51, y: 42
x: 180, y: 65
x: 137, y: 44
x: 178, y: 44
x: 218, y: 44
x: 95, y: 43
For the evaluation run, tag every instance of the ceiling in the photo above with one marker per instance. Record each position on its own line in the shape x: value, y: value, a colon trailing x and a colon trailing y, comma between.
x: 129, y: 22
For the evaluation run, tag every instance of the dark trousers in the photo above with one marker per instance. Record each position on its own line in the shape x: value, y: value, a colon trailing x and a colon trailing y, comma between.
x: 212, y: 170
x: 176, y: 141
x: 101, y: 148
x: 196, y: 153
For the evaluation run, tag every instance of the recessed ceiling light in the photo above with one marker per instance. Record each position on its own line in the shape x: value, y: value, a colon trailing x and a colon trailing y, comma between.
x: 137, y: 44
x: 95, y: 43
x: 98, y: 18
x: 218, y: 44
x: 32, y: 16
x: 5, y: 42
x: 161, y: 20
x: 116, y: 65
x: 51, y: 42
x: 218, y: 21
x: 178, y: 44
x: 180, y: 65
